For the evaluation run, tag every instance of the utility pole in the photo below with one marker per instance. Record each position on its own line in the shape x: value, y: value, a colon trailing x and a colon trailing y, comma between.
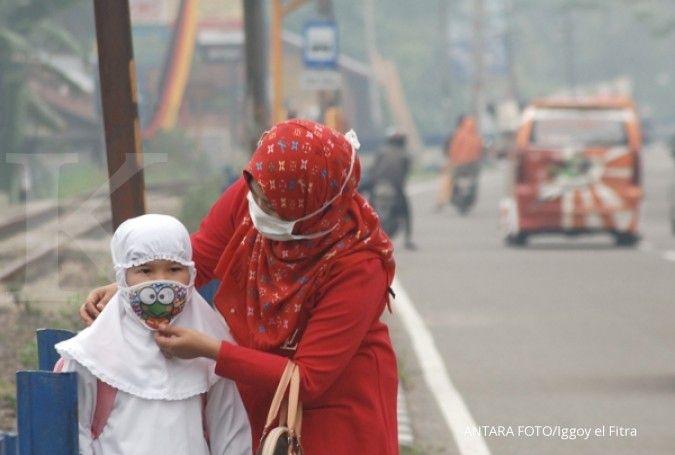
x: 258, y: 119
x: 443, y: 33
x: 279, y: 11
x: 478, y: 61
x: 327, y: 97
x: 509, y: 14
x: 371, y: 46
x: 117, y: 72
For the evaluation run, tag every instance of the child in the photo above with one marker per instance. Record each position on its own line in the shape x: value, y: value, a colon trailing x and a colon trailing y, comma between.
x: 133, y: 400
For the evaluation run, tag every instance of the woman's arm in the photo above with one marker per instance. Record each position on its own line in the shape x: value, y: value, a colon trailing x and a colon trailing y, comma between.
x: 96, y: 300
x: 353, y: 300
x: 215, y: 230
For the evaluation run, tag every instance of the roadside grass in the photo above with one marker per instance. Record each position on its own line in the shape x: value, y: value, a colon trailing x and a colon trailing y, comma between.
x: 79, y: 179
x: 19, y: 347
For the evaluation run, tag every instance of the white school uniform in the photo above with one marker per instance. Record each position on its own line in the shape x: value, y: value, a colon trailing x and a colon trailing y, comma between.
x: 158, y: 407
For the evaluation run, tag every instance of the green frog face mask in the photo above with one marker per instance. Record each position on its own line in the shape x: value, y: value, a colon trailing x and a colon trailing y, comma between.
x: 159, y: 301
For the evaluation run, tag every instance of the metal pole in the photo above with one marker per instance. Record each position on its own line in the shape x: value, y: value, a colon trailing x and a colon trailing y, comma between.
x: 256, y: 71
x: 120, y: 110
x: 443, y: 30
x: 510, y: 50
x: 326, y: 97
x: 478, y: 45
x: 371, y: 45
x: 277, y: 62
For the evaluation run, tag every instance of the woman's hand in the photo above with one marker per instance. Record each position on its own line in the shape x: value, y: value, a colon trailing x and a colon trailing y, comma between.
x: 186, y: 343
x: 96, y: 300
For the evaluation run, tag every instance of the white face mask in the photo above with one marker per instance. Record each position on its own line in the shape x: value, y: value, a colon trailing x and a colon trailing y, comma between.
x: 274, y: 228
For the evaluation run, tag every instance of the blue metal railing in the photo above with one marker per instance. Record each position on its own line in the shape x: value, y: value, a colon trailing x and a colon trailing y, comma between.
x: 8, y: 444
x: 47, y: 401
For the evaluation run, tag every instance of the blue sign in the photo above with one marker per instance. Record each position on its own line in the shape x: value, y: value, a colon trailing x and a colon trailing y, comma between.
x: 320, y: 44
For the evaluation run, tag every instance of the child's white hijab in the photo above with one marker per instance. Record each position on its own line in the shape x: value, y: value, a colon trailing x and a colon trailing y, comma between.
x: 118, y: 349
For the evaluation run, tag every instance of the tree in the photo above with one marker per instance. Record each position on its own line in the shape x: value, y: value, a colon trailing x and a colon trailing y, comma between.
x: 28, y: 35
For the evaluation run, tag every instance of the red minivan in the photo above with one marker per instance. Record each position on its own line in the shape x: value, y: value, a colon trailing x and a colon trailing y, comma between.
x: 576, y: 170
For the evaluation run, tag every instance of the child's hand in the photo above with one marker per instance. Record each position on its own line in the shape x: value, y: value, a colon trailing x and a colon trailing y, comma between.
x: 185, y: 343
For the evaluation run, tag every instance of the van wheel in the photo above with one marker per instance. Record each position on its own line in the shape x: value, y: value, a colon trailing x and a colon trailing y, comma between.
x: 519, y: 239
x: 626, y: 239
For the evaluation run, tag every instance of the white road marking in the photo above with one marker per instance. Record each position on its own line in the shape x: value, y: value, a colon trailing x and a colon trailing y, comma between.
x: 669, y: 255
x: 405, y: 434
x: 452, y: 406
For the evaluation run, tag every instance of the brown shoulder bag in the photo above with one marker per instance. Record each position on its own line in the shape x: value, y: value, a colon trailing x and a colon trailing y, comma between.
x: 284, y: 439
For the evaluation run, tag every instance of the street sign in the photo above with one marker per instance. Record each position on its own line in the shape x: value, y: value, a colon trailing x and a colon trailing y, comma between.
x: 321, y: 80
x: 320, y: 45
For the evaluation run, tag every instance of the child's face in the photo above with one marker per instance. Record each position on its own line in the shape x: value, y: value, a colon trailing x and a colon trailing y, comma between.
x: 158, y: 270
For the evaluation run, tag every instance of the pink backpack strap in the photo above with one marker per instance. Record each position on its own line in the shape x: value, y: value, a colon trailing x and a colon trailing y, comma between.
x: 58, y: 366
x: 205, y: 426
x: 105, y: 397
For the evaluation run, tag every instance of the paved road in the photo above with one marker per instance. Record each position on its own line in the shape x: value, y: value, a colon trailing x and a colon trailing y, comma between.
x: 569, y: 333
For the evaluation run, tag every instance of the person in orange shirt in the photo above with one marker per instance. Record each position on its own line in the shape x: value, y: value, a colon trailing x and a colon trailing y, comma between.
x: 464, y: 150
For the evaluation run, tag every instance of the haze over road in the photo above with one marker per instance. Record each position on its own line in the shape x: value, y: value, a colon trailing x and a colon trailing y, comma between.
x: 573, y: 333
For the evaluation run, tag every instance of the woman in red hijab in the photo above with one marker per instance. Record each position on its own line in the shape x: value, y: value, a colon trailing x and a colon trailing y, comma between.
x: 305, y: 270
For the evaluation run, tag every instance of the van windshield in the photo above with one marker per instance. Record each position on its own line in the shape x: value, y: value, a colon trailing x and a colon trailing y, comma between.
x: 579, y: 128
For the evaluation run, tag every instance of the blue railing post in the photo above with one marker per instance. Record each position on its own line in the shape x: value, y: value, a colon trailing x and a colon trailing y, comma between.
x: 8, y: 444
x: 208, y: 291
x: 46, y: 339
x: 47, y: 413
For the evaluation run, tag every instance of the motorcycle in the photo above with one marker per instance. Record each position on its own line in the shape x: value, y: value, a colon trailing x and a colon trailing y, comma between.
x: 383, y: 197
x: 464, y: 192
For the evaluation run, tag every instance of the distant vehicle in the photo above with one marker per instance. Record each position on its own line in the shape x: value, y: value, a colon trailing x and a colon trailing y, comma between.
x: 576, y: 170
x: 464, y: 192
x: 386, y: 203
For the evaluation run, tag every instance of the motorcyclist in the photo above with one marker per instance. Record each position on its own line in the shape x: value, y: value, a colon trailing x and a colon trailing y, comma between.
x: 464, y: 149
x: 392, y: 164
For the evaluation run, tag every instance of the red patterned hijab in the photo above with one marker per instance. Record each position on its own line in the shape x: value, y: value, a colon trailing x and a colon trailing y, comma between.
x: 300, y: 165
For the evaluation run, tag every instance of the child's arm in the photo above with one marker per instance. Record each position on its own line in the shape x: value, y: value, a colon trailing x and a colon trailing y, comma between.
x: 86, y: 403
x: 226, y: 420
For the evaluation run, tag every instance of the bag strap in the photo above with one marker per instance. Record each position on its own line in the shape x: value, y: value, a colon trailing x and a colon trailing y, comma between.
x: 294, y: 405
x: 58, y: 366
x: 279, y: 395
x: 205, y: 422
x: 105, y: 398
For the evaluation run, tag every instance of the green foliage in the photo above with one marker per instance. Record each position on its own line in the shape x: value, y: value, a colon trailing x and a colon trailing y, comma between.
x: 80, y: 178
x: 174, y: 156
x: 26, y: 34
x: 7, y: 394
x: 28, y: 355
x: 198, y: 201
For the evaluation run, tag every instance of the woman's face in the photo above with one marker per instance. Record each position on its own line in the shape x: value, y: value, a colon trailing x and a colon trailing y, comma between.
x: 260, y: 198
x: 158, y: 270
